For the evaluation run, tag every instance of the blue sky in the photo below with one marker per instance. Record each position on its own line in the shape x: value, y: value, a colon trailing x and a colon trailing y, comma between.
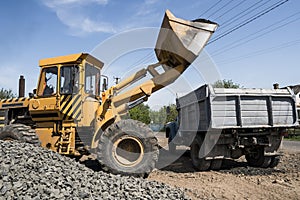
x: 35, y: 29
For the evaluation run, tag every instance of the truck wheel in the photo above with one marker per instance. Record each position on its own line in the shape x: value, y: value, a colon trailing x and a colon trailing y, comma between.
x: 216, y: 164
x: 172, y: 146
x: 274, y: 161
x: 256, y: 158
x: 128, y: 147
x: 19, y: 132
x: 199, y: 163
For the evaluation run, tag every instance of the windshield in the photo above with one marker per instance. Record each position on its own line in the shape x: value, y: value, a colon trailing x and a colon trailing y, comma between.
x: 92, y: 80
x: 48, y: 82
x: 69, y: 79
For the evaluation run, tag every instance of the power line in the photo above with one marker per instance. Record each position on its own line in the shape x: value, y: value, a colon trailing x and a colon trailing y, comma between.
x: 262, y: 52
x: 237, y: 43
x: 210, y: 8
x: 274, y: 6
x: 141, y: 60
x: 227, y: 11
x: 150, y: 56
x: 150, y: 59
x: 220, y: 9
x: 247, y: 11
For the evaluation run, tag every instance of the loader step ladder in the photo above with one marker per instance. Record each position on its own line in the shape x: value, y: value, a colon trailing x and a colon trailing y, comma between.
x: 3, y: 117
x: 65, y: 141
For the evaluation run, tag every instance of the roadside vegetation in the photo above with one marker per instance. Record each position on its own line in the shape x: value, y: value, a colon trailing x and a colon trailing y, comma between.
x: 146, y: 115
x: 294, y: 135
x: 6, y: 94
x: 226, y: 84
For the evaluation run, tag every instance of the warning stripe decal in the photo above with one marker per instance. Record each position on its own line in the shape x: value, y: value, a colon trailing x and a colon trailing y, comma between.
x: 71, y: 106
x: 3, y: 117
x: 14, y: 100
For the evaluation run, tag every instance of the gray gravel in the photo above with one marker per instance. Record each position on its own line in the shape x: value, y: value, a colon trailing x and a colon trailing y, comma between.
x: 289, y: 163
x: 30, y: 172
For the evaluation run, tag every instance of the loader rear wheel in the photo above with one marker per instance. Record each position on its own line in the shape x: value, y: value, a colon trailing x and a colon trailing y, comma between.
x: 256, y: 158
x: 19, y: 132
x: 199, y: 163
x: 128, y: 147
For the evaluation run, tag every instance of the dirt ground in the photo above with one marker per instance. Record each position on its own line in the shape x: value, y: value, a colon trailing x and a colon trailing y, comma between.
x: 235, y: 180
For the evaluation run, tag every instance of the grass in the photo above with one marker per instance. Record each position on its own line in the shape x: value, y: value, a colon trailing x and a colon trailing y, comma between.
x: 294, y: 135
x: 293, y: 138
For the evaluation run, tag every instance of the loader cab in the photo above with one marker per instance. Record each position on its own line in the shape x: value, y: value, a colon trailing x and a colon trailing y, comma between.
x: 65, y: 82
x: 67, y: 75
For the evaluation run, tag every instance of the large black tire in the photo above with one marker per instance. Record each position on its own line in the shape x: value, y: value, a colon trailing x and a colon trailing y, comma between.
x: 216, y: 164
x: 171, y: 145
x: 256, y: 158
x: 199, y: 163
x: 275, y: 160
x: 128, y: 147
x: 19, y: 132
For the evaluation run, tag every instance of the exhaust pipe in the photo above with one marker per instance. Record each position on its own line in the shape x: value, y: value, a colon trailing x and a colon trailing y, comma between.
x: 275, y: 86
x: 21, y: 86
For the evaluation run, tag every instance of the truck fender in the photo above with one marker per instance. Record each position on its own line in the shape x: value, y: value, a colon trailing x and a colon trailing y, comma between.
x: 171, y: 130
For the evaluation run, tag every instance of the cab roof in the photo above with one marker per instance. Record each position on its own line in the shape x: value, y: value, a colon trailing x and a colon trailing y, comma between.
x: 72, y: 58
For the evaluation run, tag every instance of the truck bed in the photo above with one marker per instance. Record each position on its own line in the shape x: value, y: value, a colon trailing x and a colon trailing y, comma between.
x: 219, y: 108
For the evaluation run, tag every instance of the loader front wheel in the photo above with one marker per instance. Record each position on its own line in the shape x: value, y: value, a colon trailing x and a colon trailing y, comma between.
x: 19, y: 132
x: 128, y: 147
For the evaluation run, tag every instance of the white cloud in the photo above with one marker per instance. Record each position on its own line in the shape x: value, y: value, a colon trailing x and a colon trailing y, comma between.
x: 80, y: 19
x: 79, y: 23
x: 92, y: 26
x: 146, y: 8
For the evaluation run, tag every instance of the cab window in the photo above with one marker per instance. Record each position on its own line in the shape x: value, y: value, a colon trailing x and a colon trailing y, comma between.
x: 92, y: 80
x: 69, y: 79
x: 48, y: 82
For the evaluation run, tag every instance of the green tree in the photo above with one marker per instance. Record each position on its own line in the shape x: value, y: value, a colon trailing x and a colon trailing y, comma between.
x: 144, y: 114
x: 161, y: 116
x: 225, y: 84
x: 140, y: 113
x: 6, y: 94
x: 171, y: 117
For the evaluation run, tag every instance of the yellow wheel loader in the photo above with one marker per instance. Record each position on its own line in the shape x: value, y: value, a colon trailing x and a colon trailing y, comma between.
x: 71, y: 114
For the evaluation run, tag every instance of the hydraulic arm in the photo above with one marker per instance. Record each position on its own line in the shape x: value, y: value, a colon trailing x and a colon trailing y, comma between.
x: 179, y: 43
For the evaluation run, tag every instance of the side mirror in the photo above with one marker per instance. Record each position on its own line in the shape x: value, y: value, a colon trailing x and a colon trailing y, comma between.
x: 105, y: 83
x: 31, y: 95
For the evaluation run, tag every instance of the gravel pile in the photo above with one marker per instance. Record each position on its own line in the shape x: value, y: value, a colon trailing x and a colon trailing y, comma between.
x: 29, y: 172
x: 289, y: 163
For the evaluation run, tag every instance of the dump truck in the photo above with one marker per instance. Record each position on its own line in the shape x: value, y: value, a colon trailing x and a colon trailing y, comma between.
x: 71, y: 113
x: 224, y: 123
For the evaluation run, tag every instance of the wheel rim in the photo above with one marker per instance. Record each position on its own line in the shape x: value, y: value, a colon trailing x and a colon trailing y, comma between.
x: 128, y: 151
x: 8, y: 139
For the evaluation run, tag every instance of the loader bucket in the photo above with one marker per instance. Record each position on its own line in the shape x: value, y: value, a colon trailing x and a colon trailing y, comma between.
x: 181, y: 41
